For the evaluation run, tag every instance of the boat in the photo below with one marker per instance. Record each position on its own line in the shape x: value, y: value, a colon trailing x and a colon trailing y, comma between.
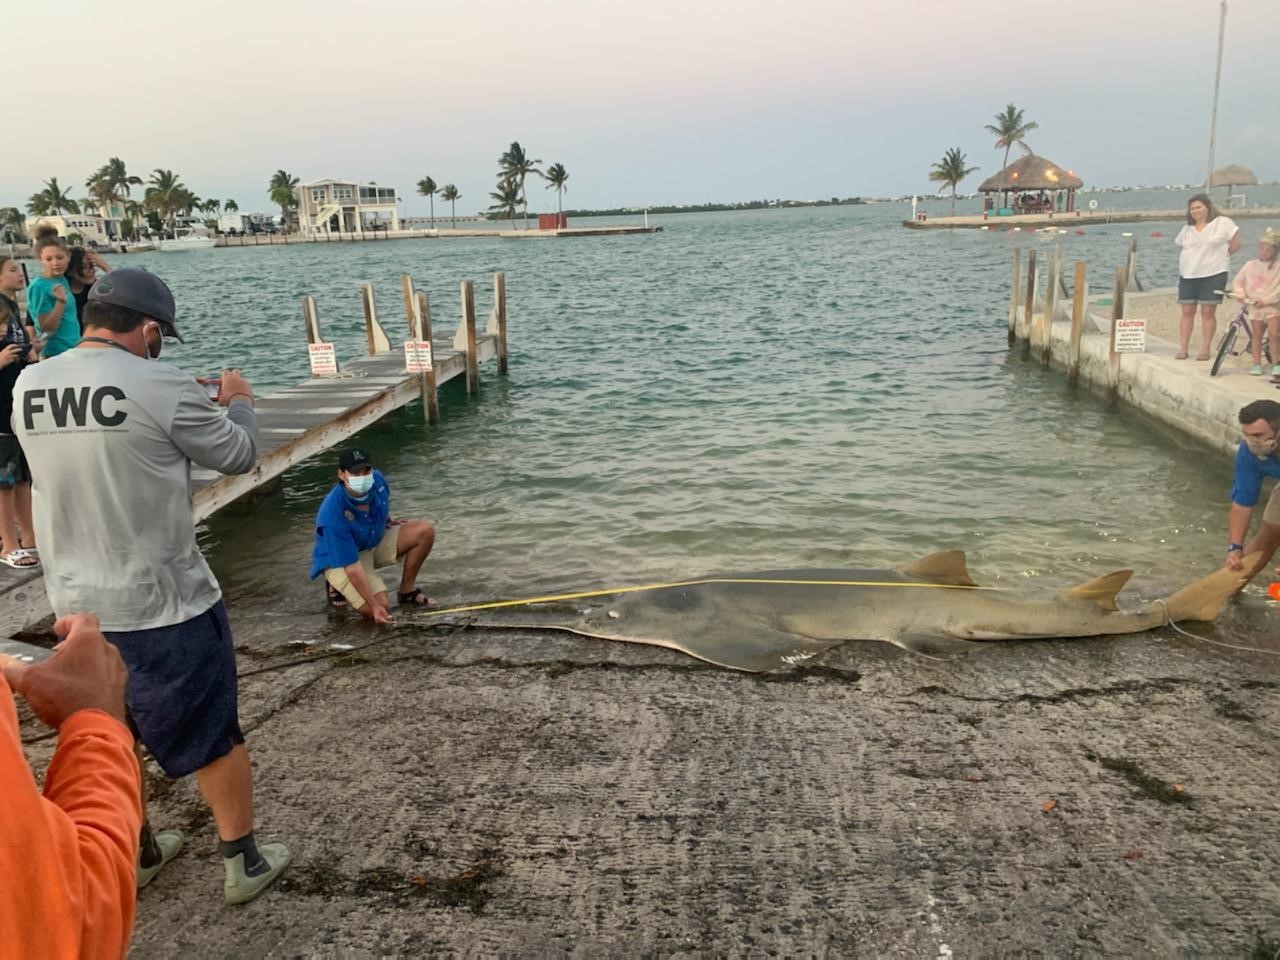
x: 186, y: 240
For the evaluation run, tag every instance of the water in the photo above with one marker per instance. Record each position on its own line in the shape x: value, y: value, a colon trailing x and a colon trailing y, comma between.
x: 814, y: 387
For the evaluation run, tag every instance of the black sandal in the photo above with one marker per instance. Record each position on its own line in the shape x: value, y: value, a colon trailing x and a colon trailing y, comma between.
x: 412, y: 599
x: 335, y: 597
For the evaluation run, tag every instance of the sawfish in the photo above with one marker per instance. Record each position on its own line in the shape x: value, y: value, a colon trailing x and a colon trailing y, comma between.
x: 775, y: 619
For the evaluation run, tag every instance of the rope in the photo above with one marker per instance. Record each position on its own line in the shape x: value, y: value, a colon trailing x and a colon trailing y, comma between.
x: 494, y: 604
x: 1217, y: 643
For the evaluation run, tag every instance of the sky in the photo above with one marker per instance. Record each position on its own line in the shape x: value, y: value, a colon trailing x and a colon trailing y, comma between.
x: 645, y: 102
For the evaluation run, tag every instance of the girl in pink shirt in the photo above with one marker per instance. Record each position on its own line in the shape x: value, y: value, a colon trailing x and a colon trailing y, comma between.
x: 1258, y: 285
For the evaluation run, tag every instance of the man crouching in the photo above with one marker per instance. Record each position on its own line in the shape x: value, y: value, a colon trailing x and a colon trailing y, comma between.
x: 355, y: 535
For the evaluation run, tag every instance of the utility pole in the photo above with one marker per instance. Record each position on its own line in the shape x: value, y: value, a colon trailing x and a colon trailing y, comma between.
x: 1217, y: 82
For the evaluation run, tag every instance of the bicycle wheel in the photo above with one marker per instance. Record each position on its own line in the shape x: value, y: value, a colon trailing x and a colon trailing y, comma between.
x: 1224, y: 348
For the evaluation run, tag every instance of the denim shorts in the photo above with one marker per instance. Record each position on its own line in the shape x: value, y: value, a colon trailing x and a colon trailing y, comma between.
x: 181, y: 691
x: 1200, y: 289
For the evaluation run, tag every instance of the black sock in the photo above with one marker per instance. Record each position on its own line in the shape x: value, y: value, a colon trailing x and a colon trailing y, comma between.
x: 255, y: 864
x: 148, y: 850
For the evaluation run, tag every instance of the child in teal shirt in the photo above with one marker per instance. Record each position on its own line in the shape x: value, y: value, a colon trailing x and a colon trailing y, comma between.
x: 50, y: 302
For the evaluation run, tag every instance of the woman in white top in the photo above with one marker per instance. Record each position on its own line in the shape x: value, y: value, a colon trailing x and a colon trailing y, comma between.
x: 1207, y: 242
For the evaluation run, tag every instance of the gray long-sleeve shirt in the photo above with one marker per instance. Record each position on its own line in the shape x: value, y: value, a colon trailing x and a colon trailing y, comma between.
x: 110, y: 438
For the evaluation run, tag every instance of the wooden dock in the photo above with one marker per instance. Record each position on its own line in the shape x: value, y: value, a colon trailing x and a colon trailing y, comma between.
x: 1077, y: 218
x: 324, y: 411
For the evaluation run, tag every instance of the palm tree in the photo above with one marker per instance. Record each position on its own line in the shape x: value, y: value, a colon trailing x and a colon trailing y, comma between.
x: 100, y: 193
x: 1009, y: 129
x: 556, y: 176
x: 12, y: 224
x: 52, y: 200
x: 515, y: 165
x: 117, y: 177
x: 507, y: 197
x: 110, y: 185
x: 951, y: 170
x: 427, y: 188
x: 134, y: 214
x: 231, y: 206
x: 167, y: 196
x: 211, y: 208
x: 450, y: 192
x: 283, y: 191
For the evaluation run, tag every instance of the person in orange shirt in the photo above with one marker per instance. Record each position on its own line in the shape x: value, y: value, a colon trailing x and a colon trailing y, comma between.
x: 68, y: 880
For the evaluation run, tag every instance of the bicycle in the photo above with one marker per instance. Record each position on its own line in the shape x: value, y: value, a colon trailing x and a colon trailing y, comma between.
x: 1241, y: 322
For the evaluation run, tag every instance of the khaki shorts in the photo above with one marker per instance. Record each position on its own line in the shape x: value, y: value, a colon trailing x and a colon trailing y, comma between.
x: 1271, y: 514
x: 383, y: 555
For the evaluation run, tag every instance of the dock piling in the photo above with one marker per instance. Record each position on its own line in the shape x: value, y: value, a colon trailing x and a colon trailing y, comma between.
x: 1031, y: 301
x: 1050, y: 307
x: 311, y: 320
x: 374, y: 334
x: 417, y: 310
x: 465, y: 339
x: 1113, y: 356
x: 1013, y: 296
x: 1077, y: 319
x: 430, y: 396
x: 1131, y: 267
x: 500, y: 310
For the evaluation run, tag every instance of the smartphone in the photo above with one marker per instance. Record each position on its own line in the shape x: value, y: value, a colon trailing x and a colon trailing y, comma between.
x: 212, y: 386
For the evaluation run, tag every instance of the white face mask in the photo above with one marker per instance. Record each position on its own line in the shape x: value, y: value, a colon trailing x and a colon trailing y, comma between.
x: 146, y: 343
x: 360, y: 485
x: 1259, y: 447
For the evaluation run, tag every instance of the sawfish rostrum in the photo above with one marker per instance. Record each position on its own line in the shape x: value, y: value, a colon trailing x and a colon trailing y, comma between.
x: 775, y: 619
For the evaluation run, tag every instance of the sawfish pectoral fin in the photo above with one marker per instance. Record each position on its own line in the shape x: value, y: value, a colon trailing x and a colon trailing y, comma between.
x: 934, y: 647
x: 1101, y: 590
x: 756, y: 651
x: 947, y: 566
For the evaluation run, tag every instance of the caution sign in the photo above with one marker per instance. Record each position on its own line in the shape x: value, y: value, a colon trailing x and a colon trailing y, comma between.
x: 1131, y: 335
x: 324, y: 362
x: 417, y: 356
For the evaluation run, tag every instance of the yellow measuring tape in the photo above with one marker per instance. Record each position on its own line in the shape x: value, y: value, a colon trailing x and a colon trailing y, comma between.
x: 494, y: 604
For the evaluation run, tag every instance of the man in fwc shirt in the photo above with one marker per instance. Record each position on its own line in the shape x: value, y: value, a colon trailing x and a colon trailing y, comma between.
x: 110, y: 436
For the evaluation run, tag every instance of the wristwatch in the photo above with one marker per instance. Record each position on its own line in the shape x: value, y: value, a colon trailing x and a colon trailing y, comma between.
x: 1233, y: 547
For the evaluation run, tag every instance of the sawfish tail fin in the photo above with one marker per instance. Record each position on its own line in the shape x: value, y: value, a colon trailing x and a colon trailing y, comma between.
x: 1204, y: 599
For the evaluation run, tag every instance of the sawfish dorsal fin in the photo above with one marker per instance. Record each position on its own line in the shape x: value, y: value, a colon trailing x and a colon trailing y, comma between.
x: 1101, y: 590
x: 947, y: 565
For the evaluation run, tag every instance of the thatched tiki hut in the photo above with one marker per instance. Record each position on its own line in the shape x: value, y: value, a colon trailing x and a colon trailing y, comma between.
x: 1031, y: 185
x: 1233, y: 175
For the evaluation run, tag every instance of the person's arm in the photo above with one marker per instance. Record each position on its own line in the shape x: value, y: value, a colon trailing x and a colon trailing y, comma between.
x: 1238, y: 518
x: 73, y: 852
x: 1235, y: 242
x: 228, y: 444
x: 46, y: 305
x: 355, y: 571
x: 1237, y: 284
x: 339, y: 547
x: 1246, y: 487
x: 1269, y: 296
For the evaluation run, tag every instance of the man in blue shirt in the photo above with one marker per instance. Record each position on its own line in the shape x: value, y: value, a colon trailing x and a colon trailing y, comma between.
x: 1256, y: 459
x: 355, y: 535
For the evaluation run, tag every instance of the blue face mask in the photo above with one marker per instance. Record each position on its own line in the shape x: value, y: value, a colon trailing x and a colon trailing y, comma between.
x: 360, y: 486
